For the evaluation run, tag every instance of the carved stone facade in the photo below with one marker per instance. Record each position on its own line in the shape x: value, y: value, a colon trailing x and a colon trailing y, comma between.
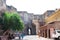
x: 47, y: 30
x: 52, y: 23
x: 27, y: 20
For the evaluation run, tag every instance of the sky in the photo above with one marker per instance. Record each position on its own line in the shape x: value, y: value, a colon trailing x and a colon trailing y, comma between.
x: 34, y: 6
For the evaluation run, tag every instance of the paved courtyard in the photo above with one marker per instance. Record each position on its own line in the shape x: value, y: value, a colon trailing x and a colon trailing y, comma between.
x: 35, y: 37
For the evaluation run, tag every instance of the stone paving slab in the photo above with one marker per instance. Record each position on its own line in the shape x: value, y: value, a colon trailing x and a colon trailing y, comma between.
x: 35, y: 37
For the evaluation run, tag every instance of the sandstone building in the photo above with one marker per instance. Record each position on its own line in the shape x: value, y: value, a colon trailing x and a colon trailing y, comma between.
x: 54, y: 17
x: 52, y: 23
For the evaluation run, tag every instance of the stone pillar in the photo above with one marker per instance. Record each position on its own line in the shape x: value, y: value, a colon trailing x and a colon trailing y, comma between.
x: 44, y: 33
x: 36, y: 22
x: 47, y: 33
x: 51, y: 32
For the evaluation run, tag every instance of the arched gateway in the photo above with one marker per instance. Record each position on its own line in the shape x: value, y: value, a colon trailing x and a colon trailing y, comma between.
x: 30, y: 29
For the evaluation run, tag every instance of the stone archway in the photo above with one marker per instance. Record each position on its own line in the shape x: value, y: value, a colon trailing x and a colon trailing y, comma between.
x: 29, y: 31
x: 32, y: 29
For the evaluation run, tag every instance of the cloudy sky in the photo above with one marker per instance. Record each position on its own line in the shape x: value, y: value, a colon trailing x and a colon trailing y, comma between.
x: 34, y: 6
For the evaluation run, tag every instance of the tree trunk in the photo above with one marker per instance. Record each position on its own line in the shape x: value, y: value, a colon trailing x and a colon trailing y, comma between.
x: 7, y: 31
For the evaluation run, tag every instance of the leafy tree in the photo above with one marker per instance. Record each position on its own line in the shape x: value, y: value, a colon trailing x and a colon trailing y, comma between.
x: 12, y: 21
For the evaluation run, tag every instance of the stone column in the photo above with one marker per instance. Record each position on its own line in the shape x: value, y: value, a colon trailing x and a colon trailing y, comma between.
x: 47, y: 33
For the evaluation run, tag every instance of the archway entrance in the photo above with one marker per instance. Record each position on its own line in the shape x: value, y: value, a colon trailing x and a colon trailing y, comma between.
x: 29, y: 31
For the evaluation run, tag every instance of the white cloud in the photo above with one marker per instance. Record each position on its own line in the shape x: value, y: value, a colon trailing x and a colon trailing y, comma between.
x: 35, y: 6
